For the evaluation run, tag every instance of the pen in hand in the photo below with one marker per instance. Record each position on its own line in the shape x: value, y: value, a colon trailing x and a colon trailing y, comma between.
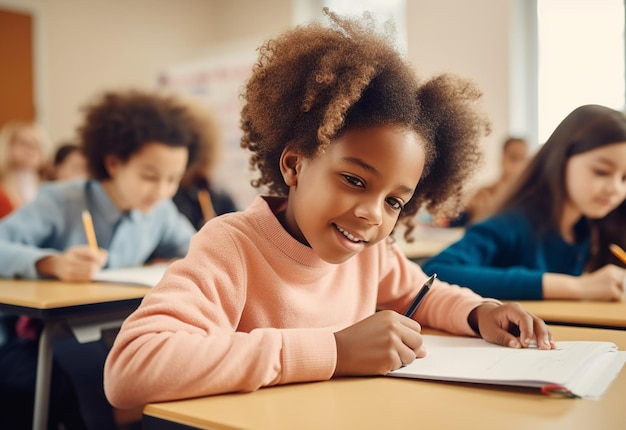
x: 420, y: 296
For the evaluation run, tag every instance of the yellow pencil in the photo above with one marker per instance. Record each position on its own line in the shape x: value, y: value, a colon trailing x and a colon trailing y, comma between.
x: 618, y: 252
x: 89, y: 231
x: 204, y: 198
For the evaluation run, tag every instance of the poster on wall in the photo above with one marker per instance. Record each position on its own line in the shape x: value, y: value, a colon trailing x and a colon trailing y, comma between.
x: 217, y: 81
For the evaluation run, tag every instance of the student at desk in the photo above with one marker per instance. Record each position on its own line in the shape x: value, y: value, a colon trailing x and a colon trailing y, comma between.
x: 513, y: 160
x: 23, y: 151
x: 197, y: 197
x: 348, y: 142
x: 137, y: 146
x: 551, y: 237
x: 68, y: 163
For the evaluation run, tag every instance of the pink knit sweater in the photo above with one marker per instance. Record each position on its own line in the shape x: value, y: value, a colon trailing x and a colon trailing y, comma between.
x: 250, y: 306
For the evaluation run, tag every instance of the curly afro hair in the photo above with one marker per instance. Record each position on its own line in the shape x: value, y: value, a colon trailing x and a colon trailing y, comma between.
x: 121, y: 123
x: 312, y: 83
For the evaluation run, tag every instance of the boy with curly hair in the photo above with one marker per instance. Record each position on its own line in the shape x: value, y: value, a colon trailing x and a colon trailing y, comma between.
x: 137, y: 145
x: 348, y: 143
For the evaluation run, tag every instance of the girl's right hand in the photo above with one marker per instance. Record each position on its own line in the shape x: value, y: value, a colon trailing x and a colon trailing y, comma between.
x: 606, y: 283
x: 77, y: 264
x: 378, y: 344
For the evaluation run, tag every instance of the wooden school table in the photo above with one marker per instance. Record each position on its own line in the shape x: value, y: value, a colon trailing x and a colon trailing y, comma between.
x: 428, y: 241
x: 396, y: 403
x: 580, y: 313
x: 82, y: 308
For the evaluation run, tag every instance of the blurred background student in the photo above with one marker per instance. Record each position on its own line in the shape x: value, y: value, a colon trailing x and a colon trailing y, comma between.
x: 550, y: 238
x: 69, y: 162
x: 138, y: 145
x: 514, y: 158
x: 197, y: 197
x: 484, y: 201
x: 23, y: 155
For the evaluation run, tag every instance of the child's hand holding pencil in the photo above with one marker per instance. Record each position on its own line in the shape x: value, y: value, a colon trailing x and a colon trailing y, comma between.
x: 618, y: 252
x: 78, y: 263
x: 608, y: 283
x: 81, y: 263
x: 621, y: 255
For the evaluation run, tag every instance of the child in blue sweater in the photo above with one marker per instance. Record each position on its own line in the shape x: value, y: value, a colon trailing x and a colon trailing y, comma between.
x: 550, y: 238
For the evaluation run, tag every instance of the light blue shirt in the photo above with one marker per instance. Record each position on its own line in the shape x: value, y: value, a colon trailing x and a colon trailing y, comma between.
x: 52, y: 223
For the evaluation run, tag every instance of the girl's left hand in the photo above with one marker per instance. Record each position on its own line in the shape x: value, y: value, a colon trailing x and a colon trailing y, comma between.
x: 510, y: 325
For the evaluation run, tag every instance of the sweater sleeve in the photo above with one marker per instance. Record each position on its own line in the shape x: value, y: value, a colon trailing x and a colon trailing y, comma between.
x: 24, y: 233
x: 446, y: 307
x: 493, y: 259
x: 183, y: 340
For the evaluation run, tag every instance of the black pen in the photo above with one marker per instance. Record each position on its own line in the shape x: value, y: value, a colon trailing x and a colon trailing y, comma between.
x: 420, y: 296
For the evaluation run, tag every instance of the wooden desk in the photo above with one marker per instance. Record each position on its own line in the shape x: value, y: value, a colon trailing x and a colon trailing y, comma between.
x: 428, y: 241
x: 82, y: 308
x: 610, y: 315
x: 396, y: 403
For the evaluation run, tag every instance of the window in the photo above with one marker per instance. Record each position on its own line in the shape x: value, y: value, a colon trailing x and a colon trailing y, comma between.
x: 580, y: 58
x: 382, y: 10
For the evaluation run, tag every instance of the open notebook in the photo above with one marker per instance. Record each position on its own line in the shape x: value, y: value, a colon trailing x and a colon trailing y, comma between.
x: 584, y: 368
x: 147, y: 276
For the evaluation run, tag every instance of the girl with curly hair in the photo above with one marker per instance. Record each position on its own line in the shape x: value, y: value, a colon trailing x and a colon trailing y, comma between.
x: 550, y: 238
x: 347, y: 143
x: 138, y: 146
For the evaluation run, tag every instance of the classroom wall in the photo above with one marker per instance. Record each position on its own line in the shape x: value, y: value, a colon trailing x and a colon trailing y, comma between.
x: 85, y: 47
x: 262, y: 19
x: 471, y: 39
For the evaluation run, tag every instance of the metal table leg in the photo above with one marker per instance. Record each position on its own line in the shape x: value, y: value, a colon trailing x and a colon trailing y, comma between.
x: 44, y: 374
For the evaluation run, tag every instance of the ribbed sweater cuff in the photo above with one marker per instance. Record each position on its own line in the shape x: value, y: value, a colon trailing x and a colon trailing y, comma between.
x: 308, y: 355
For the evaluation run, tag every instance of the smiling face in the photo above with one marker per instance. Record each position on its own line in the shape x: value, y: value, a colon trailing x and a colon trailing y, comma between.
x: 596, y: 180
x: 147, y: 178
x: 349, y: 197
